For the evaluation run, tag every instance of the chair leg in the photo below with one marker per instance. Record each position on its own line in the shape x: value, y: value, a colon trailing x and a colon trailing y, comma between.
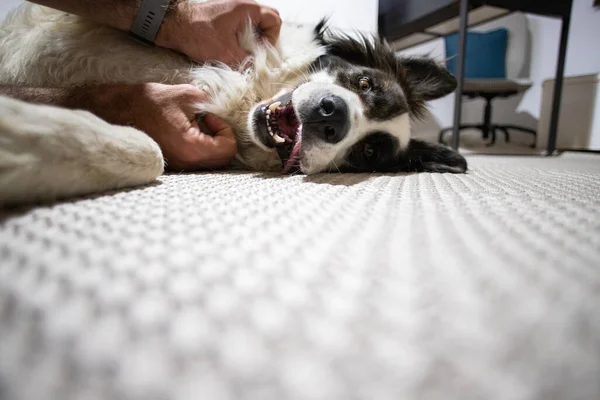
x: 487, y: 119
x: 461, y: 127
x: 492, y: 141
x: 505, y: 131
x: 523, y: 129
x: 520, y: 128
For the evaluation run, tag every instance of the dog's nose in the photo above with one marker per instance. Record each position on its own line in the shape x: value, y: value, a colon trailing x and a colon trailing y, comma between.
x: 327, y: 104
x: 328, y: 119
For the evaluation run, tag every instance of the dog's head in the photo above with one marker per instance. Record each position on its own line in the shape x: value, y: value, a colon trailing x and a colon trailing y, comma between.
x: 352, y: 111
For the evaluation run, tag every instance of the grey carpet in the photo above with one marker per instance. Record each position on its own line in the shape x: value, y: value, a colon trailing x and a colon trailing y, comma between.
x: 249, y: 286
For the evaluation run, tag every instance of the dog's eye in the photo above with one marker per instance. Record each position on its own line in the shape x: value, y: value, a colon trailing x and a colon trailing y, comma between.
x: 364, y: 84
x: 369, y: 150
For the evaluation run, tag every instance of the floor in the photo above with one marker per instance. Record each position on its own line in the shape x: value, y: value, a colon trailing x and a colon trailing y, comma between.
x: 471, y: 142
x: 253, y: 286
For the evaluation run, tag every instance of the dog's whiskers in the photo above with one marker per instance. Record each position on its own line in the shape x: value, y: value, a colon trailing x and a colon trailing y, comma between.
x: 288, y: 85
x: 302, y: 75
x: 351, y: 165
x: 336, y: 167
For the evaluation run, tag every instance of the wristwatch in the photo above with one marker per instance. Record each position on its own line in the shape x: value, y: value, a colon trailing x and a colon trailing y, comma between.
x: 148, y: 19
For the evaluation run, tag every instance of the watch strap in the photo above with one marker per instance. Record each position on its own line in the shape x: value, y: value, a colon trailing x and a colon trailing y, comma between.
x: 148, y: 20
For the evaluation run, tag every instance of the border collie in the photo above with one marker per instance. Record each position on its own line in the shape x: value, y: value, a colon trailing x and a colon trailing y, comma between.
x: 316, y: 102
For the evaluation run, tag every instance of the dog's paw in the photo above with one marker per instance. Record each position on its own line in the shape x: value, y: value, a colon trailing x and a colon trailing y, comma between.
x: 421, y: 156
x: 48, y: 153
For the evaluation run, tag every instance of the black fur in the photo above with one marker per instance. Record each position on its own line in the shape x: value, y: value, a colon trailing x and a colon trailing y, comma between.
x: 384, y: 101
x: 419, y: 79
x: 420, y: 156
x: 383, y: 158
x: 422, y: 79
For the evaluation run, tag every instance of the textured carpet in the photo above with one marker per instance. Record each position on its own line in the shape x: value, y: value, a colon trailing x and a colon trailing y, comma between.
x: 247, y: 286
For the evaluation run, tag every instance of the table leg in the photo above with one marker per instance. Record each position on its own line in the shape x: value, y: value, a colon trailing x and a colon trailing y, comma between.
x: 558, y: 82
x: 460, y: 71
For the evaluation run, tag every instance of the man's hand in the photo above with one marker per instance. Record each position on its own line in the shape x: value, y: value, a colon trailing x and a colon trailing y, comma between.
x: 210, y: 30
x: 167, y: 114
x: 204, y: 31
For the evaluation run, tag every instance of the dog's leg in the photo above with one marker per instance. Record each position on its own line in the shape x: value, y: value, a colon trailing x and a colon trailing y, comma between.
x: 421, y: 156
x: 48, y: 153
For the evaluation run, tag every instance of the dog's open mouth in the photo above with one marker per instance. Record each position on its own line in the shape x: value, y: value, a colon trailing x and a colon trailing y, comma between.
x: 279, y: 127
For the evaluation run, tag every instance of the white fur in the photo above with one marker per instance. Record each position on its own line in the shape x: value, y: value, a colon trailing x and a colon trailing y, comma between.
x: 326, y: 156
x: 48, y: 152
x: 44, y: 47
x: 41, y: 47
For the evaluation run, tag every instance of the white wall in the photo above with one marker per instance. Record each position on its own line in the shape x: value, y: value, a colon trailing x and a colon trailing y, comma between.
x: 583, y: 57
x: 7, y: 5
x: 347, y: 15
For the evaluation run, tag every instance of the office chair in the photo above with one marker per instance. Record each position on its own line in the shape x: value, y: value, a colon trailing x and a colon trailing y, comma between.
x: 495, y: 61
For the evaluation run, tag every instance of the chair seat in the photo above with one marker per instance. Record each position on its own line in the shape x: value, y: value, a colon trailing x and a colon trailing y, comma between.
x: 495, y: 85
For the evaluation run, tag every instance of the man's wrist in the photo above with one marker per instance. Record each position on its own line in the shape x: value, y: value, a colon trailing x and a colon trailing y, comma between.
x: 167, y: 35
x: 148, y: 20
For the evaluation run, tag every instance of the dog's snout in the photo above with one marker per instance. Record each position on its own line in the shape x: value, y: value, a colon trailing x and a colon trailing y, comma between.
x: 327, y: 106
x: 328, y: 120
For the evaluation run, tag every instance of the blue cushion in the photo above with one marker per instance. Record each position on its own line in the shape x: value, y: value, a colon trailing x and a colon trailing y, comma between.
x: 485, y: 56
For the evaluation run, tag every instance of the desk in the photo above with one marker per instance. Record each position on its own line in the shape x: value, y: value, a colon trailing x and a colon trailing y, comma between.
x: 407, y: 23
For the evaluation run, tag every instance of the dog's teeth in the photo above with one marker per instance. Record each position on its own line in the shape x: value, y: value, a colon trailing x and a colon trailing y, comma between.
x: 268, y: 116
x: 274, y: 106
x: 278, y: 138
x: 268, y: 112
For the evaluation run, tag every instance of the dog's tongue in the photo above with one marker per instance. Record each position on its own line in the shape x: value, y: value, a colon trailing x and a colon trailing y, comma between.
x: 292, y: 161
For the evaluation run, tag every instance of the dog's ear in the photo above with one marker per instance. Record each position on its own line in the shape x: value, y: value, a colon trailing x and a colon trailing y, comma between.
x: 421, y: 78
x: 427, y: 78
x: 357, y: 49
x: 422, y: 156
x: 424, y: 79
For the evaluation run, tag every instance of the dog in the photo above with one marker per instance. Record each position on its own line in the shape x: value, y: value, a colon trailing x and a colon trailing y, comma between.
x: 318, y: 101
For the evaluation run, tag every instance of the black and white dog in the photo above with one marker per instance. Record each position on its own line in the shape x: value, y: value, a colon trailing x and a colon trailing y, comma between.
x: 352, y: 112
x: 316, y: 102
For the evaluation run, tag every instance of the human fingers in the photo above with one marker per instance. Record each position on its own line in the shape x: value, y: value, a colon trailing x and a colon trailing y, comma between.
x: 218, y: 126
x: 269, y: 24
x: 232, y: 54
x: 221, y: 146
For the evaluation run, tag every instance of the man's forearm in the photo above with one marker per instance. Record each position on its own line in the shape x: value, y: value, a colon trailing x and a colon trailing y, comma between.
x: 60, y: 97
x: 112, y: 103
x: 114, y: 13
x: 118, y: 14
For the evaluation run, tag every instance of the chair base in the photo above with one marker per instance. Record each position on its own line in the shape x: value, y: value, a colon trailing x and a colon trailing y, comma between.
x: 488, y: 129
x: 489, y: 132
